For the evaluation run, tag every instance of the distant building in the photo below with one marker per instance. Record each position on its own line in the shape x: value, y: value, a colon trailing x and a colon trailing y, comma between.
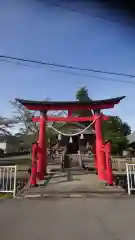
x: 12, y: 145
x: 131, y: 141
x: 7, y: 147
x: 131, y: 138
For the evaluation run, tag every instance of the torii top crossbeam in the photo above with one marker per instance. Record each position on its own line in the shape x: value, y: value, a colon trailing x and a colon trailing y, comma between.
x: 70, y: 105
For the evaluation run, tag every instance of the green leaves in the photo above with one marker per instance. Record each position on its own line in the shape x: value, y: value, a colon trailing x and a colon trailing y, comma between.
x: 116, y: 131
x: 82, y: 96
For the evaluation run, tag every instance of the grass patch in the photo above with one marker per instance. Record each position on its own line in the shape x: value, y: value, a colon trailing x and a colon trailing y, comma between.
x: 48, y: 179
x: 6, y: 195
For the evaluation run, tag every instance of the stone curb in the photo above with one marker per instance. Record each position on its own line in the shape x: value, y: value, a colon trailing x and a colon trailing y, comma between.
x: 56, y: 196
x: 73, y: 195
x: 35, y: 196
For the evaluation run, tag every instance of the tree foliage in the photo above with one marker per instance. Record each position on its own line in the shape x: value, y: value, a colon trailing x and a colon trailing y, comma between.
x: 6, y: 125
x: 83, y: 96
x: 116, y: 130
x: 29, y: 130
x: 115, y: 124
x: 24, y: 118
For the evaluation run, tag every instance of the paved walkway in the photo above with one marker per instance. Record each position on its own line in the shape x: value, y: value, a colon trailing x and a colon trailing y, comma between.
x: 81, y: 185
x: 64, y: 219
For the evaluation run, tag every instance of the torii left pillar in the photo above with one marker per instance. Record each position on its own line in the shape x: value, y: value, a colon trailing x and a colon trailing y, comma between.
x: 33, y: 177
x: 42, y: 148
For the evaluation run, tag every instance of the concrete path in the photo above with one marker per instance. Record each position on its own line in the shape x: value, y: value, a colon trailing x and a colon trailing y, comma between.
x: 106, y: 219
x: 82, y: 185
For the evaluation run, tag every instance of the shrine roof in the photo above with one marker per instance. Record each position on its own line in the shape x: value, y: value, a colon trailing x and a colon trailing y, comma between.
x: 73, y: 105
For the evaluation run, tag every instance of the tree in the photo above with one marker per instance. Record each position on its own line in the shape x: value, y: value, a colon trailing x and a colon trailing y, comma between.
x: 28, y: 129
x: 116, y: 130
x: 115, y: 124
x: 5, y: 126
x: 24, y: 118
x: 82, y: 96
x: 126, y: 129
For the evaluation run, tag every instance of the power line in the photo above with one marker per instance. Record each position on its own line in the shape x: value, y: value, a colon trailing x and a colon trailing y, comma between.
x: 72, y: 73
x: 88, y: 14
x: 98, y: 78
x: 67, y: 66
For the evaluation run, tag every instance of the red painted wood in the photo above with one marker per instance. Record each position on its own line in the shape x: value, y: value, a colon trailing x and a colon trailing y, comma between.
x: 36, y: 119
x: 69, y: 113
x: 99, y: 153
x: 33, y: 180
x: 69, y: 119
x: 65, y: 119
x: 68, y: 107
x: 42, y: 149
x: 109, y: 173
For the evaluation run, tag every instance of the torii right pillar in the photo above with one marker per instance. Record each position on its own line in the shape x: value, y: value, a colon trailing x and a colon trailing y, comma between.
x: 100, y: 155
x: 42, y: 148
x: 109, y: 174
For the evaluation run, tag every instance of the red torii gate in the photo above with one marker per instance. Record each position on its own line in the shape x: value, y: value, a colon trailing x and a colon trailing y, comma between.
x: 44, y: 106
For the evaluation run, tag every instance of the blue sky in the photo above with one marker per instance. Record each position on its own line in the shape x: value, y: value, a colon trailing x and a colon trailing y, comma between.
x: 34, y: 30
